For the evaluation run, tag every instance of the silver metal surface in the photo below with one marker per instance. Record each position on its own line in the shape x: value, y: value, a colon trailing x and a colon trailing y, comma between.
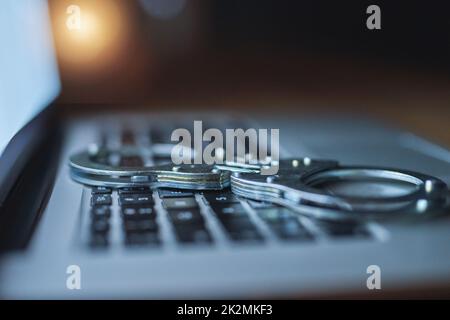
x: 88, y: 170
x: 294, y: 186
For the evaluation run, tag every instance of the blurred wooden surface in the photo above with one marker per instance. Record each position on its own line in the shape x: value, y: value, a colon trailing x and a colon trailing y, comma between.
x: 416, y: 99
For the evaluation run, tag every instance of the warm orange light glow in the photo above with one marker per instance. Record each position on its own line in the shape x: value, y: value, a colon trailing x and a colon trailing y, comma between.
x: 89, y: 29
x: 98, y: 40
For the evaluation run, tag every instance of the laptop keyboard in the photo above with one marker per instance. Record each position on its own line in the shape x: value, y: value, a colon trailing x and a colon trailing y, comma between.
x: 241, y: 221
x: 142, y: 217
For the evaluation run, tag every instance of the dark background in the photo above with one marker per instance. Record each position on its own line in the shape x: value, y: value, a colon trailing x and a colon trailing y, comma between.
x: 298, y: 56
x: 412, y: 31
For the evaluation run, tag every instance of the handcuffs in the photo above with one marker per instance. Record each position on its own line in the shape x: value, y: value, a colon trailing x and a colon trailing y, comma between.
x: 297, y: 185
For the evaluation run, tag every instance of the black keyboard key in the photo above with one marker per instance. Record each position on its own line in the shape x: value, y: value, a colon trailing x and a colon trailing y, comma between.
x: 101, y: 200
x: 186, y: 216
x: 291, y: 230
x: 136, y: 226
x: 135, y: 190
x: 136, y: 199
x: 341, y: 230
x: 229, y: 211
x: 237, y: 224
x: 173, y: 193
x: 180, y: 203
x: 100, y: 212
x: 193, y: 236
x: 98, y: 240
x: 129, y: 212
x: 128, y: 199
x: 101, y: 190
x: 100, y: 226
x: 159, y: 135
x: 144, y: 199
x: 220, y: 197
x: 159, y: 162
x: 128, y: 137
x: 161, y: 156
x: 147, y: 212
x: 141, y: 239
x: 250, y: 235
x: 138, y: 212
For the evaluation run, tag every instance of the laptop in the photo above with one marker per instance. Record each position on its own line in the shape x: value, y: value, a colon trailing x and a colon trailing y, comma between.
x: 63, y: 240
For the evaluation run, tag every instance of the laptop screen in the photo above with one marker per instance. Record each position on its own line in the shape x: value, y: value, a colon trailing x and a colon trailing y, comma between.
x: 29, y: 78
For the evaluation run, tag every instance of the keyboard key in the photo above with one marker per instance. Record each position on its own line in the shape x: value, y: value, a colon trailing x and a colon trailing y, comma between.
x: 138, y: 212
x: 100, y: 212
x: 100, y: 226
x: 134, y: 199
x: 128, y: 137
x: 144, y: 199
x: 180, y: 203
x: 129, y: 212
x: 197, y: 236
x: 160, y: 157
x: 101, y: 200
x: 101, y: 190
x: 98, y: 240
x: 237, y: 223
x: 275, y: 215
x: 147, y: 212
x: 291, y: 230
x: 172, y: 193
x: 220, y: 197
x: 140, y: 239
x: 160, y: 135
x: 128, y: 199
x: 135, y: 190
x: 159, y: 162
x: 338, y: 230
x: 227, y: 211
x: 186, y: 216
x: 140, y: 226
